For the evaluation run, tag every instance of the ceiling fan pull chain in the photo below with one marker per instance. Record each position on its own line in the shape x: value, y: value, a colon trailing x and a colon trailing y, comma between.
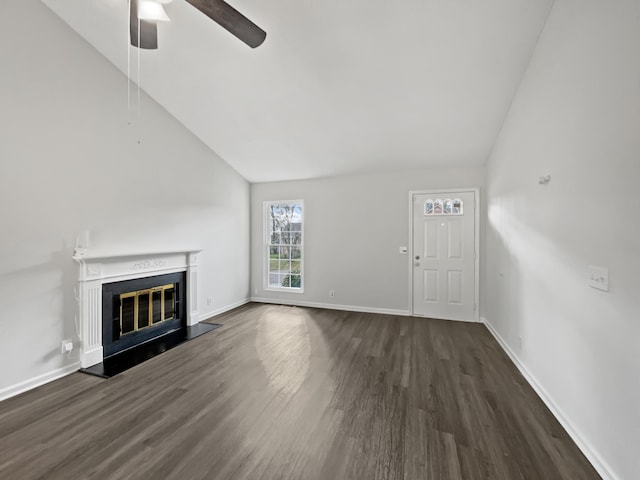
x: 139, y: 81
x: 139, y: 49
x: 128, y: 69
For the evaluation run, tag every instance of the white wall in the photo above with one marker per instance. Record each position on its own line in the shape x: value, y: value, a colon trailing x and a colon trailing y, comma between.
x: 353, y: 228
x: 69, y: 162
x: 576, y: 117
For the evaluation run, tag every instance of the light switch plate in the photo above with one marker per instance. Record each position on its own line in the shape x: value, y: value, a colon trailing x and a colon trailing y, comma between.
x: 599, y: 278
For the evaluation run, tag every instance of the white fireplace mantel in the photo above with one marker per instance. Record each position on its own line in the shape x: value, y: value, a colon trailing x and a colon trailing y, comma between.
x: 98, y: 269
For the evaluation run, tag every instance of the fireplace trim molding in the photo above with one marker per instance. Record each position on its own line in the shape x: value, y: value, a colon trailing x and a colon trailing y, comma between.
x: 98, y: 269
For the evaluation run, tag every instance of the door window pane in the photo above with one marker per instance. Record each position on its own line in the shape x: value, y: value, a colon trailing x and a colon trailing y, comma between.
x: 448, y: 206
x: 428, y: 207
x: 457, y: 206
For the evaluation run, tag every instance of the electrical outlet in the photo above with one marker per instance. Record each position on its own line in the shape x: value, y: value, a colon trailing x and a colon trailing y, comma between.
x: 599, y: 278
x: 66, y: 346
x: 332, y: 293
x: 209, y: 300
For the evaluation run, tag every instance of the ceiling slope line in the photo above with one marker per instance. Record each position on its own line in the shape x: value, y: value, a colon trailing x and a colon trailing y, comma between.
x: 517, y: 89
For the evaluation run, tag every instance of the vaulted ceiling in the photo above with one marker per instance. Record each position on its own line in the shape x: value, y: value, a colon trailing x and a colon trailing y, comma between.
x: 338, y: 87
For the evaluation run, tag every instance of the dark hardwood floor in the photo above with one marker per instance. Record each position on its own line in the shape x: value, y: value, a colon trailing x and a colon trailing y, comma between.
x: 297, y: 393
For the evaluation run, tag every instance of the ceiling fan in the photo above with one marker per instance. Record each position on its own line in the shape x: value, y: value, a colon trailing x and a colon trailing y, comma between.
x: 146, y: 14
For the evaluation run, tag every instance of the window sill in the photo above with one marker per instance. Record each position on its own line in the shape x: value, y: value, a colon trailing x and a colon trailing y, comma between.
x: 286, y: 290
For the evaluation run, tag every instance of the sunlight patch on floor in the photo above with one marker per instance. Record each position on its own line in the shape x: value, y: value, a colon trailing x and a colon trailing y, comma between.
x: 284, y: 347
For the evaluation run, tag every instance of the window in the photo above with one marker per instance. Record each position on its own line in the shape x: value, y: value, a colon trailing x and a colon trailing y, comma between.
x: 443, y: 207
x: 284, y: 243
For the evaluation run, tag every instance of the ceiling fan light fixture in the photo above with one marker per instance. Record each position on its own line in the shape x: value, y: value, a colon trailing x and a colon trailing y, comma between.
x: 152, y: 11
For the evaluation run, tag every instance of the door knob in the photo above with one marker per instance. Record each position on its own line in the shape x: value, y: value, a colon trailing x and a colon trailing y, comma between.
x: 417, y: 264
x: 417, y: 257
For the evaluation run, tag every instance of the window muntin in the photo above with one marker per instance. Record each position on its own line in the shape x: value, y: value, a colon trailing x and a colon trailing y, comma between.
x: 284, y: 245
x: 446, y: 206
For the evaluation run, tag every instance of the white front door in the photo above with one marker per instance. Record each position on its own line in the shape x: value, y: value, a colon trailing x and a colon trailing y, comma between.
x: 444, y: 255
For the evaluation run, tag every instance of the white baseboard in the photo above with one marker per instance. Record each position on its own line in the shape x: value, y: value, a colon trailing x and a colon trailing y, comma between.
x: 208, y: 315
x: 34, y: 382
x: 601, y: 466
x: 332, y: 306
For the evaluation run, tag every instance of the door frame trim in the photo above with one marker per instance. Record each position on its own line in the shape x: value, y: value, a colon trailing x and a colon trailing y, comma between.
x: 476, y: 246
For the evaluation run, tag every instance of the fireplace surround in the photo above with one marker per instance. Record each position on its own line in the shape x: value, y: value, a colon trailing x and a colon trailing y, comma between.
x: 97, y: 270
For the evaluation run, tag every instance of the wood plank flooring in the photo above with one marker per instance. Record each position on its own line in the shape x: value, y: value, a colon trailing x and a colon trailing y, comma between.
x: 297, y: 393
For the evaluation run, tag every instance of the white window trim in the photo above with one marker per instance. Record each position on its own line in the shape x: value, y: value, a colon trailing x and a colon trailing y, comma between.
x: 265, y: 246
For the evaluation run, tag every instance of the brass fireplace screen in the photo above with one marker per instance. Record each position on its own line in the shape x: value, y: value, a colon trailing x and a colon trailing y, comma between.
x: 145, y: 308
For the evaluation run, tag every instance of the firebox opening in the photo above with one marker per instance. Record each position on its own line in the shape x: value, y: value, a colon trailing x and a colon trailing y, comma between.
x: 135, y: 311
x: 144, y: 308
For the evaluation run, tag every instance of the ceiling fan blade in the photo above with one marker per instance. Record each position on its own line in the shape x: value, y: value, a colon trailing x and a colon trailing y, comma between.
x: 232, y: 20
x: 148, y: 30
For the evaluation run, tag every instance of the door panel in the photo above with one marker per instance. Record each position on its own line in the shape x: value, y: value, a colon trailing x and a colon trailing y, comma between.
x: 431, y: 285
x: 454, y: 238
x: 444, y: 255
x: 454, y: 286
x: 430, y: 248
